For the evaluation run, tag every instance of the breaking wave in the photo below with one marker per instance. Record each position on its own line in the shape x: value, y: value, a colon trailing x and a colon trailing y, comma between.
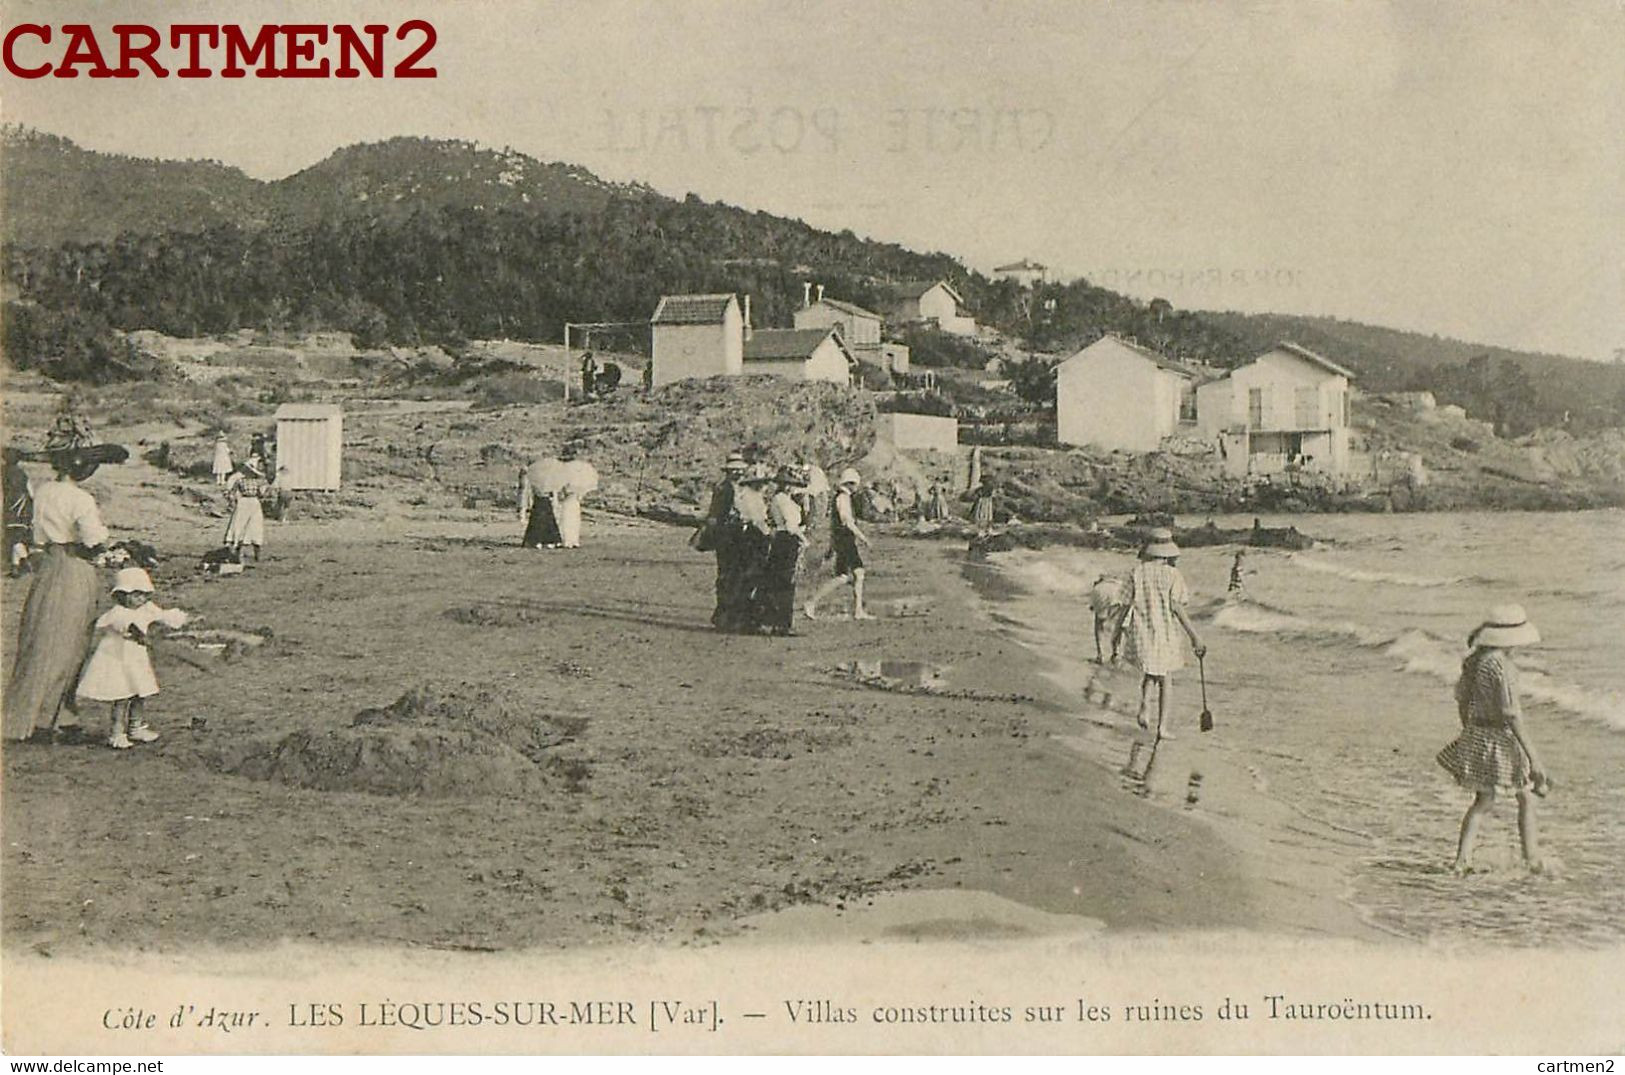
x: 1421, y: 653
x: 1356, y: 574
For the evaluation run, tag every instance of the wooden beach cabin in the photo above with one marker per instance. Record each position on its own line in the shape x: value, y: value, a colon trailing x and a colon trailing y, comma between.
x: 309, y: 445
x: 697, y: 336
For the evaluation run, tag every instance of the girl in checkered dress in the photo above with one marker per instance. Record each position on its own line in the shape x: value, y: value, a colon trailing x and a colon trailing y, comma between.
x: 1493, y: 752
x: 1152, y: 615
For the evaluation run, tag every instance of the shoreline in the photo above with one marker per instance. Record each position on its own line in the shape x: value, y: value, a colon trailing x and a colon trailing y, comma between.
x: 1306, y: 882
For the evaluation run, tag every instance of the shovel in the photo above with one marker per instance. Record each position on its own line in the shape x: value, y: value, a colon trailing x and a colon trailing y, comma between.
x: 1207, y: 714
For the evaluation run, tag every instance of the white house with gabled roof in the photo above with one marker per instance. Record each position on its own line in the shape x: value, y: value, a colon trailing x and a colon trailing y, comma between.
x: 696, y: 336
x: 1287, y: 408
x: 860, y: 328
x: 932, y: 300
x: 801, y: 354
x: 1120, y: 396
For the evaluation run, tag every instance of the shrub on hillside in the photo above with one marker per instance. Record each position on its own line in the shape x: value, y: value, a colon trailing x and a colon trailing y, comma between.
x: 931, y: 347
x: 511, y: 389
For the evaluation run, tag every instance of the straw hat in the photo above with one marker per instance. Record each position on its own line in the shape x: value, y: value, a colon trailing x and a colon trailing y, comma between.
x: 791, y: 475
x: 850, y: 476
x: 1160, y: 544
x: 1506, y: 625
x: 132, y: 580
x: 758, y: 475
x: 735, y: 461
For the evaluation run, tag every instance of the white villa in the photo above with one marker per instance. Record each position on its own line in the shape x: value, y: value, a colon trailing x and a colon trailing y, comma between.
x: 1288, y: 405
x: 801, y: 354
x: 1025, y: 272
x: 932, y: 300
x: 1119, y: 396
x: 860, y: 328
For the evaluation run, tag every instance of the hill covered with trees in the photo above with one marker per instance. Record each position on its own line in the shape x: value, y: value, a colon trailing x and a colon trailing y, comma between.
x: 420, y: 241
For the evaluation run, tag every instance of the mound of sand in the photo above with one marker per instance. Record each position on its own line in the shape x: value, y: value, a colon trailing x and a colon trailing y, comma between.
x: 431, y: 742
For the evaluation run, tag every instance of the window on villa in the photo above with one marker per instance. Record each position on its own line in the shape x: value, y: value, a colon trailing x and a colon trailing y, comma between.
x: 1187, y: 402
x: 1347, y: 418
x: 1255, y: 408
x: 1306, y: 408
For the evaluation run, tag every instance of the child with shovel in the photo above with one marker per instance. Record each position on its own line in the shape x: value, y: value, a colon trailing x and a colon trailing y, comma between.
x: 1153, y: 607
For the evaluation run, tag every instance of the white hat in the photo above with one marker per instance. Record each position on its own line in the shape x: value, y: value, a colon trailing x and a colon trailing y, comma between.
x: 132, y: 580
x: 1159, y: 543
x: 1506, y: 625
x: 850, y: 476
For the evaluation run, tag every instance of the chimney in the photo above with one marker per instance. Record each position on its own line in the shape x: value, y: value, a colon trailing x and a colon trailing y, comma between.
x: 820, y: 293
x: 806, y: 294
x: 747, y: 317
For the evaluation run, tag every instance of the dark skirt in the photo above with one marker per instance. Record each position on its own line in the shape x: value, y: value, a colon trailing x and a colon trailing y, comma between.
x: 734, y: 552
x: 543, y: 528
x: 751, y: 550
x: 53, y: 638
x: 776, y: 590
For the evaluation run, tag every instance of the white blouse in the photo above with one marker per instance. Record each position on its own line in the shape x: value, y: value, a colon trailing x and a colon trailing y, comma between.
x: 64, y: 513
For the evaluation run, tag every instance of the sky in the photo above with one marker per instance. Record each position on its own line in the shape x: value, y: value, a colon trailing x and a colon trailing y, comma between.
x: 1454, y: 168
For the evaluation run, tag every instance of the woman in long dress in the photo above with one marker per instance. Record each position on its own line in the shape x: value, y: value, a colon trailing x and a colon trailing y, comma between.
x: 568, y: 509
x: 246, y: 527
x: 537, y: 509
x: 54, y: 633
x: 1154, y: 612
x: 222, y: 460
x: 983, y: 499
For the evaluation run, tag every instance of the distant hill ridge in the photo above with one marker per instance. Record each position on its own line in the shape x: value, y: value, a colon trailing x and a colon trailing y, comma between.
x: 56, y: 192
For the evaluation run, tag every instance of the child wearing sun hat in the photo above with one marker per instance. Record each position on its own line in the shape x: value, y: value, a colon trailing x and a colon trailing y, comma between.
x: 120, y: 667
x: 1493, y: 751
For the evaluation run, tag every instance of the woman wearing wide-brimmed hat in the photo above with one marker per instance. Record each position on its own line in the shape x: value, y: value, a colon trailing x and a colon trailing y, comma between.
x: 1153, y: 611
x: 753, y: 544
x: 721, y: 533
x: 776, y: 593
x: 1493, y: 751
x: 54, y: 633
x: 247, y: 489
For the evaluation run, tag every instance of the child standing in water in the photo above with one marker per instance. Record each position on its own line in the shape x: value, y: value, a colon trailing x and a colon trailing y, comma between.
x: 1493, y: 751
x: 1152, y: 614
x: 1237, y: 586
x: 120, y: 668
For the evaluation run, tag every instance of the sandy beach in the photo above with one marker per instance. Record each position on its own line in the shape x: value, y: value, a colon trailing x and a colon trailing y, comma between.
x: 581, y: 760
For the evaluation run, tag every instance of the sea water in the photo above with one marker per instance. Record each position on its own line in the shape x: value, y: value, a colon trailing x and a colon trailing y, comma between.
x: 1331, y: 681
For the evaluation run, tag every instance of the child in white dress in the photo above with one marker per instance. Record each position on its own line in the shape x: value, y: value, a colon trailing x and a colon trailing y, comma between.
x: 120, y: 667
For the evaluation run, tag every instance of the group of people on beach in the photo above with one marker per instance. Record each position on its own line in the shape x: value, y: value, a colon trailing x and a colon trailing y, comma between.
x: 1493, y: 754
x: 758, y: 525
